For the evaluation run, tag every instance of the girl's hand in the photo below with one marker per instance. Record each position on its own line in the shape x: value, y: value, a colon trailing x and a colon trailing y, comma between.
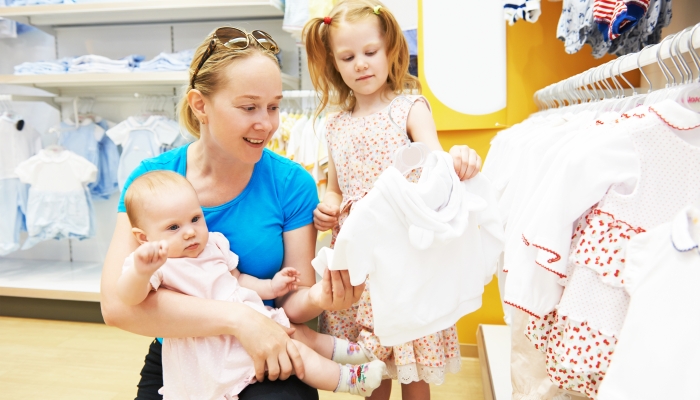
x: 334, y: 292
x: 326, y: 217
x: 284, y: 281
x: 467, y: 162
x: 150, y: 256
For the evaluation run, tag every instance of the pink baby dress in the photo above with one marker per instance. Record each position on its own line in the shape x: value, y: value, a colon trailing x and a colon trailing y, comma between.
x: 211, y: 367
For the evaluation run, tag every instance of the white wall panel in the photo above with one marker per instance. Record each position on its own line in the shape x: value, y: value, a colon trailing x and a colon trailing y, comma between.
x: 465, y: 54
x: 30, y: 46
x: 114, y: 41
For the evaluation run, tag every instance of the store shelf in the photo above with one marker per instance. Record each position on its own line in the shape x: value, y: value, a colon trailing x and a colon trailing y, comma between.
x: 58, y: 280
x: 494, y: 355
x: 149, y: 11
x: 127, y: 80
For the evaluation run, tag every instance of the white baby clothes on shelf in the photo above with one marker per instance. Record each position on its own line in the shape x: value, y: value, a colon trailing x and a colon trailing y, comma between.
x: 659, y: 336
x: 59, y: 204
x: 179, y: 61
x: 141, y: 139
x: 428, y: 247
x: 94, y: 63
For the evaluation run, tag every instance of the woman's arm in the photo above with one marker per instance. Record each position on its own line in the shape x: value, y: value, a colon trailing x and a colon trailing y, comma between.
x: 421, y: 128
x: 169, y: 314
x: 334, y: 292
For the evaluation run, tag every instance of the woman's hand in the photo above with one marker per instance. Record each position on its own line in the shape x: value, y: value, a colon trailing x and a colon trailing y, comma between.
x: 334, y: 292
x: 270, y: 346
x: 326, y: 217
x: 467, y: 162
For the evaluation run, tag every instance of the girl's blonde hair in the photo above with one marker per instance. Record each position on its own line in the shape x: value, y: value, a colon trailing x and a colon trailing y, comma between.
x: 324, y: 74
x: 210, y: 77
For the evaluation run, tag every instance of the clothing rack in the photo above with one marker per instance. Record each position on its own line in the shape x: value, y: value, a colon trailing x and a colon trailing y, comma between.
x: 676, y: 47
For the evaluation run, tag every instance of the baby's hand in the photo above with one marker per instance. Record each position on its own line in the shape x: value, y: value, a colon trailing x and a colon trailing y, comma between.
x: 284, y: 281
x: 467, y: 162
x: 326, y: 217
x: 150, y: 256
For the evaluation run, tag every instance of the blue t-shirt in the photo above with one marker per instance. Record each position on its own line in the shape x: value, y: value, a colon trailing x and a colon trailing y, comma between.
x: 280, y: 197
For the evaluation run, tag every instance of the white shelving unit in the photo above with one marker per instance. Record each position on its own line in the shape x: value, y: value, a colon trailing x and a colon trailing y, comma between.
x: 22, y: 276
x: 148, y: 11
x: 50, y: 279
x: 121, y: 80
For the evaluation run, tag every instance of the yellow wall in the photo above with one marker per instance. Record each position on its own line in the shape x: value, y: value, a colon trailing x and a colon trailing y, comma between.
x: 535, y: 59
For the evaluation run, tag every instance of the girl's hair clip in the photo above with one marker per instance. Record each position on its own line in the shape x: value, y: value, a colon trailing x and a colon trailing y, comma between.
x: 377, y: 8
x: 327, y: 20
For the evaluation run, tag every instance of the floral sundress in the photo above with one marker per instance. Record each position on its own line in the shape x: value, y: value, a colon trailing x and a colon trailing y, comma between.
x: 362, y: 148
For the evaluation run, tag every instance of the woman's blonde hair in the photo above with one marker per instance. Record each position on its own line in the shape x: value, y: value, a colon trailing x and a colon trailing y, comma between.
x: 324, y: 74
x: 210, y: 77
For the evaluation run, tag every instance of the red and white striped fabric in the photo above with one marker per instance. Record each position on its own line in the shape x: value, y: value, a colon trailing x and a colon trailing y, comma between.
x: 603, y: 10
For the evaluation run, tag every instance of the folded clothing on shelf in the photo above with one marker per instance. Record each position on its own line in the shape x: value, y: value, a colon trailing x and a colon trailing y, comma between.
x: 43, y: 67
x: 93, y: 63
x: 179, y: 61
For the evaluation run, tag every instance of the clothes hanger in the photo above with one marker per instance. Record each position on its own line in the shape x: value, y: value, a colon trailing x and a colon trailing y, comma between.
x: 656, y: 96
x: 688, y: 95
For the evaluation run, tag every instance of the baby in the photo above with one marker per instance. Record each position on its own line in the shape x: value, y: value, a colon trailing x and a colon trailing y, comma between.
x: 179, y: 253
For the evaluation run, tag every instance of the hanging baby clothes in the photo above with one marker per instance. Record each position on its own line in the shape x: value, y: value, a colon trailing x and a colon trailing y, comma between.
x: 661, y: 275
x: 527, y: 10
x: 107, y: 180
x: 87, y: 140
x: 580, y: 337
x: 13, y: 208
x: 596, y: 22
x: 16, y: 146
x: 296, y: 134
x: 141, y: 139
x: 296, y: 14
x: 59, y: 205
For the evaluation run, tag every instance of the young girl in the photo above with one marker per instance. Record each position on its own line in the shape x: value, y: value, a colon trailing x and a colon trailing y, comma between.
x: 358, y: 60
x: 178, y: 252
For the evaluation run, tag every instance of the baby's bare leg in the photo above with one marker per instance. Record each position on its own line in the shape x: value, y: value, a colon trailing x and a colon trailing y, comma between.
x: 336, y: 349
x: 318, y: 342
x: 320, y: 372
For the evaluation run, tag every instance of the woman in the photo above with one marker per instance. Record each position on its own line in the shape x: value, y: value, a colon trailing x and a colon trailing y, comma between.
x: 262, y: 203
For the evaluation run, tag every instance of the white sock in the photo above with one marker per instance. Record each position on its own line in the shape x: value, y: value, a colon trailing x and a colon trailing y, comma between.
x: 345, y: 352
x: 361, y: 379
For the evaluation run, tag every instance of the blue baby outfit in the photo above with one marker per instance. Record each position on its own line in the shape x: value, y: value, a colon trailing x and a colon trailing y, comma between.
x: 59, y: 205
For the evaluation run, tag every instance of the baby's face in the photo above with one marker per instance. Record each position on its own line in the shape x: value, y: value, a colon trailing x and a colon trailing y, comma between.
x: 176, y: 217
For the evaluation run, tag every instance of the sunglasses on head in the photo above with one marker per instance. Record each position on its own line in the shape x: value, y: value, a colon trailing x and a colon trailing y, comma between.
x: 235, y: 39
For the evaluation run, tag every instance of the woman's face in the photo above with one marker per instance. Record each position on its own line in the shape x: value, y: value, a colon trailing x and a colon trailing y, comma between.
x: 243, y: 114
